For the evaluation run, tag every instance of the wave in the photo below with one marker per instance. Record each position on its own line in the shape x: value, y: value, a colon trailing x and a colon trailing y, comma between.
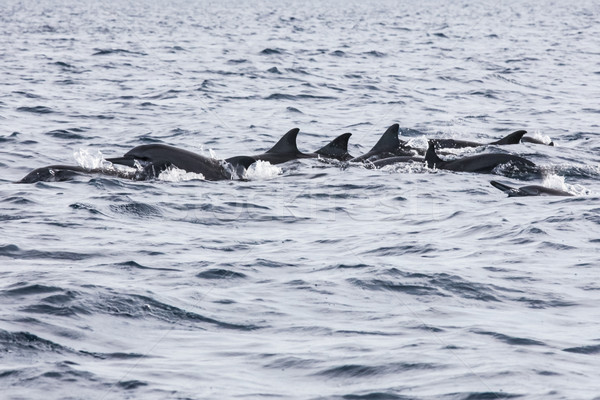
x: 442, y: 285
x: 68, y: 134
x: 594, y: 349
x: 144, y: 307
x: 36, y: 110
x: 282, y: 96
x: 517, y: 341
x: 15, y: 252
x: 105, y: 52
x: 269, y: 51
x: 220, y: 274
x: 369, y: 371
x: 136, y: 209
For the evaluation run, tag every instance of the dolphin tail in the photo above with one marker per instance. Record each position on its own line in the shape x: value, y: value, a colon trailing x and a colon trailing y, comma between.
x: 513, y: 138
x: 431, y: 157
x: 287, y: 144
x: 337, y: 148
x: 389, y: 141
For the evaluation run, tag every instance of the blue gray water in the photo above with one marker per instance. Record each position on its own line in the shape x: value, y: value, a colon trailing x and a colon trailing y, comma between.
x: 316, y: 280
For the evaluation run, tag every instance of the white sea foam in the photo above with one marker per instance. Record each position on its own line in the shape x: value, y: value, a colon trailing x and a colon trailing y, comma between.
x: 173, y: 174
x: 88, y: 160
x: 262, y: 170
x: 418, y: 142
x: 558, y: 182
x: 541, y: 137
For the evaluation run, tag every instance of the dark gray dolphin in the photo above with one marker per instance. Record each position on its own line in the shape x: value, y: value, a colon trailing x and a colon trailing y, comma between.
x: 530, y: 190
x: 54, y: 173
x: 155, y: 158
x: 481, y: 163
x: 389, y: 145
x: 286, y: 149
x: 513, y: 138
x: 60, y: 173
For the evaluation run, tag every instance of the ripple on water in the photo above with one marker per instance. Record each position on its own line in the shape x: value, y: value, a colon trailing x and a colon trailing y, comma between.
x: 13, y: 251
x: 138, y: 306
x: 368, y: 371
x: 441, y: 285
x: 216, y: 273
x: 592, y: 349
x: 517, y: 341
x: 139, y: 210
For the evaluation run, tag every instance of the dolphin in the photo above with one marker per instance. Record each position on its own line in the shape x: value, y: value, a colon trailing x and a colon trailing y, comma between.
x: 153, y: 158
x: 530, y: 190
x: 513, y: 138
x: 389, y: 145
x: 481, y: 163
x: 286, y: 149
x: 55, y: 173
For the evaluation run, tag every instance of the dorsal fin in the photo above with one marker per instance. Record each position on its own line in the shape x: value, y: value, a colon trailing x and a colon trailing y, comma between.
x: 389, y: 141
x: 337, y: 148
x: 513, y: 138
x: 431, y: 157
x: 287, y: 144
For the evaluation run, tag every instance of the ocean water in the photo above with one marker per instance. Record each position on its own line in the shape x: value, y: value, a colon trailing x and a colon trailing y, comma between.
x: 310, y: 279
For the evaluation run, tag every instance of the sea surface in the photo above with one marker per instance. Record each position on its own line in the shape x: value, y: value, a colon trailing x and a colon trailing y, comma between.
x: 310, y: 279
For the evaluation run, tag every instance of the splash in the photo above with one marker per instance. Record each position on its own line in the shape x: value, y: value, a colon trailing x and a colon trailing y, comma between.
x: 91, y: 161
x: 555, y: 182
x: 558, y: 182
x: 173, y: 174
x: 420, y: 142
x: 543, y: 138
x: 262, y: 170
x: 408, y: 168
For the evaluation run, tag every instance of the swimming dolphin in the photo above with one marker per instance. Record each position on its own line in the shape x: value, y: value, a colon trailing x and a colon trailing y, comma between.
x: 481, y: 163
x: 286, y: 149
x: 513, y: 138
x: 530, y: 190
x: 389, y: 145
x: 56, y: 173
x: 153, y: 158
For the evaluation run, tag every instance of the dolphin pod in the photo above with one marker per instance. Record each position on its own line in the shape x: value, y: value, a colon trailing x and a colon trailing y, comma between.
x: 148, y: 161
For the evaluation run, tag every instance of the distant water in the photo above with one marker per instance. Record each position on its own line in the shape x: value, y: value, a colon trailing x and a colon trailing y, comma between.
x: 314, y: 280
